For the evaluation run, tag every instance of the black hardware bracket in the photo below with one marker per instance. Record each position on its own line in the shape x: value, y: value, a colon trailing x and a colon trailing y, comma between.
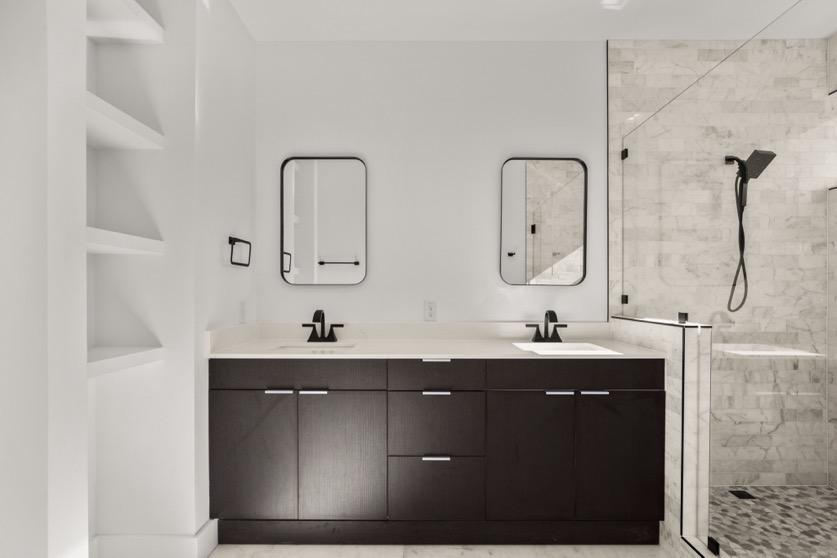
x: 232, y: 242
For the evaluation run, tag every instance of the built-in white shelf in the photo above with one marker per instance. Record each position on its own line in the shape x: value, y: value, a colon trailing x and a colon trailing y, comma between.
x: 101, y: 241
x: 104, y: 360
x: 122, y: 20
x: 111, y: 128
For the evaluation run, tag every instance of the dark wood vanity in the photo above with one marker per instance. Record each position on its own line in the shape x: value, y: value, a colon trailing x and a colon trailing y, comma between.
x: 537, y: 451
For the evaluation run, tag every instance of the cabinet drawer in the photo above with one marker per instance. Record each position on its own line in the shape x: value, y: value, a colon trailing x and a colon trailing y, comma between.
x: 434, y: 374
x: 436, y: 422
x: 576, y: 374
x: 259, y: 373
x: 451, y: 489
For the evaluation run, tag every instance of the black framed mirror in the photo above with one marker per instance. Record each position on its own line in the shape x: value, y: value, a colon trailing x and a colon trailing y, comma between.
x: 543, y: 221
x: 323, y: 230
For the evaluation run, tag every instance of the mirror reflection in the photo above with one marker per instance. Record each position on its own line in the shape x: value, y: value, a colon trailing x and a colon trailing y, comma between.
x: 544, y: 206
x: 323, y: 221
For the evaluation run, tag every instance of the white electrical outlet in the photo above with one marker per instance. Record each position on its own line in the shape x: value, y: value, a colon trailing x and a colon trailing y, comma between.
x: 429, y: 310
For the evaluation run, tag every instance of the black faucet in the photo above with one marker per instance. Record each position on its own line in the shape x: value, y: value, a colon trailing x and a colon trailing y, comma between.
x: 550, y: 318
x: 321, y: 337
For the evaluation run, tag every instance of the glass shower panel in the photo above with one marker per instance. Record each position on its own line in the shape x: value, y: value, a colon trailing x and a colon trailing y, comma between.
x: 680, y: 230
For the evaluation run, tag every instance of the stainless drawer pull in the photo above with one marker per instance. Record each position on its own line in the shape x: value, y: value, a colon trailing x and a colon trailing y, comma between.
x: 313, y: 392
x: 559, y: 392
x: 435, y: 393
x: 279, y: 391
x: 595, y: 393
x: 435, y: 360
x: 436, y: 458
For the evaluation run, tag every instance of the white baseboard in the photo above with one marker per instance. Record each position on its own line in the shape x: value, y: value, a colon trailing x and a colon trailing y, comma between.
x: 199, y: 545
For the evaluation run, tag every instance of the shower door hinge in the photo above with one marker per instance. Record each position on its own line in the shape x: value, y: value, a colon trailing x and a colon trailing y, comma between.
x: 714, y: 546
x: 624, y: 299
x: 533, y: 228
x: 624, y: 153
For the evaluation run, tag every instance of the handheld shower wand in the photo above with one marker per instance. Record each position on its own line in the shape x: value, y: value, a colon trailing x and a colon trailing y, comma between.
x: 751, y: 168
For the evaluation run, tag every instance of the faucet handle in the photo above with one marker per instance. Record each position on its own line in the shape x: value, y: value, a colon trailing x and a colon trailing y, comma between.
x: 555, y: 337
x: 537, y: 338
x: 313, y: 337
x: 331, y: 337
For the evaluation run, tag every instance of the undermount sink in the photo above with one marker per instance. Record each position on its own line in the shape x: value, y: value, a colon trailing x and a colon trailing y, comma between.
x: 316, y: 348
x: 565, y: 349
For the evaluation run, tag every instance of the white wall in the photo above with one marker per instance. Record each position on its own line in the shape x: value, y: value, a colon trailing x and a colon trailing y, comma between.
x: 434, y: 123
x: 43, y: 379
x: 23, y: 320
x: 224, y: 158
x: 66, y: 276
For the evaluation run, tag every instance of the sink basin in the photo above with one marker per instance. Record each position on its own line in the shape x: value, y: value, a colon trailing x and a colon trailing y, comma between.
x: 315, y: 348
x: 565, y: 349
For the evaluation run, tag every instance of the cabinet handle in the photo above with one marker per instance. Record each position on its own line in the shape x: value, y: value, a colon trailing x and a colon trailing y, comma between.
x: 436, y: 458
x: 279, y: 391
x: 595, y: 393
x: 558, y: 392
x: 435, y: 360
x: 435, y: 393
x: 313, y: 392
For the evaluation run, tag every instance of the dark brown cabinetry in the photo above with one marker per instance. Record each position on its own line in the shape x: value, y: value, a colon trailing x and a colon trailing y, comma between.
x: 530, y: 455
x: 252, y: 454
x: 619, y: 455
x: 436, y: 422
x: 447, y: 488
x: 342, y: 455
x: 533, y: 451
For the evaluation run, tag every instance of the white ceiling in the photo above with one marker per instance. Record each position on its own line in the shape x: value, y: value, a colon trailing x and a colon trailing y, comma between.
x: 531, y: 20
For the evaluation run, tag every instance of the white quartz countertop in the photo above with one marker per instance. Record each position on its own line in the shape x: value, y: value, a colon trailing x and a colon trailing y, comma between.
x: 412, y: 348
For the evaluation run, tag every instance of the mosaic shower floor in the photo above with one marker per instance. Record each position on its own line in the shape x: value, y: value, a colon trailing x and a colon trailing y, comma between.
x: 781, y: 522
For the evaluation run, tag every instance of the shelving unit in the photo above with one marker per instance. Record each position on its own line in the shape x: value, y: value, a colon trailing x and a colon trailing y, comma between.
x: 121, y: 147
x: 101, y: 241
x: 111, y: 128
x: 122, y: 20
x: 106, y: 360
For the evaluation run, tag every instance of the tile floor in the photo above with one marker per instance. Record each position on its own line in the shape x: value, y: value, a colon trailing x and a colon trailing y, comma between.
x: 288, y: 551
x: 782, y: 522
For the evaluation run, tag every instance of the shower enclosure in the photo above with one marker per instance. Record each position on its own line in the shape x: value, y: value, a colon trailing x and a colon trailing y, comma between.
x: 678, y: 108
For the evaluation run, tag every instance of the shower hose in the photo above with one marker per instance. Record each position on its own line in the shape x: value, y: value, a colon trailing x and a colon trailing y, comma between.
x: 741, y: 270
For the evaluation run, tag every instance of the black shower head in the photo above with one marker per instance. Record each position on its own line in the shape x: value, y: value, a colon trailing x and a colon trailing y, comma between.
x: 758, y: 161
x: 753, y: 166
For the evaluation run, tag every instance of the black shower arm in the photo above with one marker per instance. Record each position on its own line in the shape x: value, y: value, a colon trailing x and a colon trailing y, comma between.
x: 742, y: 166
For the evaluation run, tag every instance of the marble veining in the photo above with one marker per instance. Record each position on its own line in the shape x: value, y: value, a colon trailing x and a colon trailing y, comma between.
x: 782, y: 522
x: 675, y: 243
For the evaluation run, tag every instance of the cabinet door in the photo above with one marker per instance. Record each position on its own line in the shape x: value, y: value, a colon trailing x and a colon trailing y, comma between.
x: 529, y: 455
x: 252, y: 454
x: 343, y: 455
x: 619, y: 455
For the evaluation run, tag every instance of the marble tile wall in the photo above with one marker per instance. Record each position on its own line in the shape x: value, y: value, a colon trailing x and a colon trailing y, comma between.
x: 832, y: 338
x: 832, y: 64
x: 677, y: 247
x: 687, y: 354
